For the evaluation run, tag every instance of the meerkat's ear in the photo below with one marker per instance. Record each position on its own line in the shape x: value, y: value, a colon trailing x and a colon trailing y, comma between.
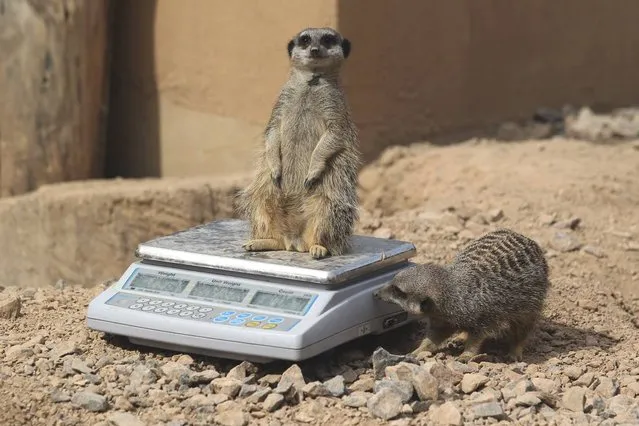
x: 289, y: 47
x: 346, y: 47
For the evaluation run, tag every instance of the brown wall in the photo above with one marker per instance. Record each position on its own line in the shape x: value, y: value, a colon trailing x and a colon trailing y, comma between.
x: 193, y: 82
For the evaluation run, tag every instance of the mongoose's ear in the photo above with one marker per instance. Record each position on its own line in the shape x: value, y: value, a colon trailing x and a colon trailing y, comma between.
x: 346, y: 47
x: 290, y: 46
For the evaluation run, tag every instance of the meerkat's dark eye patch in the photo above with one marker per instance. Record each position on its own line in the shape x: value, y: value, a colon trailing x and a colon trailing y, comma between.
x: 328, y: 40
x: 346, y: 47
x: 304, y: 40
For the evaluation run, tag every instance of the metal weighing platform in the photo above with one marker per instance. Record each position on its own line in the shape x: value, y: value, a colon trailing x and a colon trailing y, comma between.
x: 199, y: 291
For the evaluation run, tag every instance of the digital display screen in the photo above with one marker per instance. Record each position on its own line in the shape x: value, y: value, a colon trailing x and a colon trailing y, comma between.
x: 158, y: 283
x: 280, y: 301
x: 217, y: 292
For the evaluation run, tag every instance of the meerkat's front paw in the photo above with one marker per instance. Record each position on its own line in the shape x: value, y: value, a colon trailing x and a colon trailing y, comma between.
x: 318, y: 252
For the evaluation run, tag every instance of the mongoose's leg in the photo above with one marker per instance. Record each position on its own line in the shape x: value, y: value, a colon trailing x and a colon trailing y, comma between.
x: 517, y: 338
x: 472, y: 347
x: 266, y: 235
x: 327, y: 147
x: 435, y: 338
x: 328, y: 227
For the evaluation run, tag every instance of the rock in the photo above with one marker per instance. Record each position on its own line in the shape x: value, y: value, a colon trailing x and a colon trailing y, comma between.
x: 586, y: 379
x: 442, y: 373
x: 185, y: 359
x: 124, y: 419
x: 18, y: 353
x: 356, y: 399
x: 620, y: 404
x: 233, y: 417
x: 564, y: 242
x: 90, y: 401
x: 80, y: 366
x: 547, y: 219
x: 383, y: 233
x: 402, y: 371
x: 10, y: 307
x: 473, y: 381
x: 381, y: 359
x: 241, y: 371
x: 273, y: 402
x: 142, y: 375
x: 364, y: 385
x: 572, y: 223
x: 247, y: 390
x: 203, y: 377
x: 607, y: 387
x: 488, y: 409
x: 632, y: 246
x: 58, y: 395
x: 594, y: 251
x: 528, y: 399
x: 385, y: 404
x: 446, y: 414
x: 226, y: 386
x: 335, y: 386
x: 65, y: 348
x: 495, y: 215
x: 177, y: 371
x: 315, y: 389
x: 403, y: 388
x: 574, y: 399
x: 269, y: 379
x: 426, y: 385
x: 291, y: 383
x: 545, y: 385
x: 574, y: 371
x: 259, y: 395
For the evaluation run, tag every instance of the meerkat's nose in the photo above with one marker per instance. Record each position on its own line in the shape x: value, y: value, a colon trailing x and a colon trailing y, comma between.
x: 314, y: 51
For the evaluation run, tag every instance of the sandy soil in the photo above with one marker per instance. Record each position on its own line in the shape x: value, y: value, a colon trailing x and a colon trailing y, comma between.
x: 579, y: 200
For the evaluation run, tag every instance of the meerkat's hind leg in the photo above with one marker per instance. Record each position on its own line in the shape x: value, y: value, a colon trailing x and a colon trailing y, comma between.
x: 328, y: 228
x: 263, y: 244
x: 264, y: 227
x: 517, y: 338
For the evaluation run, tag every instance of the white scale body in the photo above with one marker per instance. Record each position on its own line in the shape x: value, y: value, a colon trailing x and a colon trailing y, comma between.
x: 198, y: 291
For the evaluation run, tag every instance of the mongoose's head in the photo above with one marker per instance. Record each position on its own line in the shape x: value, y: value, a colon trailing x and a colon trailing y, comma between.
x: 318, y: 49
x: 417, y: 290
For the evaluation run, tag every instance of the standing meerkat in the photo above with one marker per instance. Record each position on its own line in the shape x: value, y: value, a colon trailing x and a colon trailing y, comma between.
x: 494, y: 288
x: 304, y: 195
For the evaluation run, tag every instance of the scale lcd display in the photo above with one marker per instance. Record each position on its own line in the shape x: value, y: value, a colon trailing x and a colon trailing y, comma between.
x: 280, y: 301
x: 218, y: 292
x: 158, y: 283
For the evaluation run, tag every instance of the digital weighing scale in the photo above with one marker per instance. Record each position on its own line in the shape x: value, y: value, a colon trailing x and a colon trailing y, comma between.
x: 199, y: 291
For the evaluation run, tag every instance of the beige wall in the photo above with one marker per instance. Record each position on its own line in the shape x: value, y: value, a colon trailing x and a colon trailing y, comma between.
x: 194, y: 81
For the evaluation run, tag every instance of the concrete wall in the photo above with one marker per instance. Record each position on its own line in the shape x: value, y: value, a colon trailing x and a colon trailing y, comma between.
x: 193, y: 82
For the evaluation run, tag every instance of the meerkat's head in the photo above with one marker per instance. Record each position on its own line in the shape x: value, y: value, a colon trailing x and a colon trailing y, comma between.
x: 417, y: 289
x: 317, y: 49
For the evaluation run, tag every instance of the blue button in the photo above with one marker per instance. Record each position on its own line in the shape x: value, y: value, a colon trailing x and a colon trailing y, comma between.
x: 227, y: 313
x: 220, y: 319
x: 259, y: 317
x: 243, y: 315
x: 237, y: 321
x: 276, y: 320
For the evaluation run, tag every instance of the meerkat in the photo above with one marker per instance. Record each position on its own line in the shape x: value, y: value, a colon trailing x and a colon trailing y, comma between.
x: 494, y: 288
x: 304, y: 194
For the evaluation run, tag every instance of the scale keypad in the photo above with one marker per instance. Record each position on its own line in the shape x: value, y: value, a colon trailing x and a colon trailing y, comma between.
x: 198, y: 312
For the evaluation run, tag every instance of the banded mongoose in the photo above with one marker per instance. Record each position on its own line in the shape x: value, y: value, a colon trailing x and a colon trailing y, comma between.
x: 494, y: 288
x: 304, y: 195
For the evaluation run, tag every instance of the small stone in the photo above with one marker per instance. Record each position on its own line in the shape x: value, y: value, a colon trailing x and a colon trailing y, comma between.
x: 381, y: 359
x: 59, y: 396
x: 315, y: 389
x: 142, y: 375
x: 335, y: 386
x: 588, y: 305
x: 204, y: 377
x: 247, y: 390
x: 426, y: 385
x: 383, y: 233
x: 632, y: 246
x: 176, y: 371
x: 65, y: 348
x: 572, y: 223
x: 386, y: 404
x: 241, y: 371
x: 10, y: 307
x: 573, y: 371
x: 259, y: 395
x: 356, y: 399
x: 90, y: 401
x: 292, y: 379
x: 443, y: 374
x: 124, y: 419
x: 607, y: 387
x: 528, y: 399
x: 365, y: 384
x: 446, y: 414
x: 564, y: 242
x: 18, y: 353
x: 270, y: 379
x: 273, y: 402
x: 547, y: 219
x: 522, y: 386
x: 586, y: 379
x: 403, y: 388
x: 495, y: 215
x: 234, y: 417
x: 473, y: 381
x: 185, y: 359
x: 594, y: 251
x: 488, y: 409
x: 226, y: 386
x: 574, y: 399
x: 545, y: 385
x: 620, y: 404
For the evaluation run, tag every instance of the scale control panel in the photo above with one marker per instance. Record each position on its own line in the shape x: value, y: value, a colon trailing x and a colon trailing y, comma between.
x: 200, y: 312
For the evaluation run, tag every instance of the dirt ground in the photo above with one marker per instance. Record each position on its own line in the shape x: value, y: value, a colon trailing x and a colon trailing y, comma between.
x: 579, y: 200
